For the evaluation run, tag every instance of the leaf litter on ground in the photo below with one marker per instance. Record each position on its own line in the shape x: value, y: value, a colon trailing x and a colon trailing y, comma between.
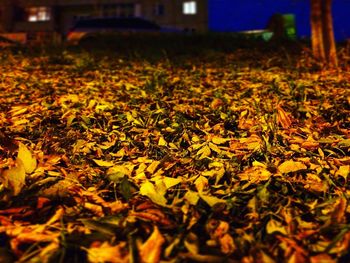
x: 116, y: 160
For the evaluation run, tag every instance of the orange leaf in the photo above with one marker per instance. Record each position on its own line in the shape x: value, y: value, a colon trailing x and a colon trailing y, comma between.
x: 291, y: 166
x: 108, y: 253
x: 283, y: 118
x: 150, y: 250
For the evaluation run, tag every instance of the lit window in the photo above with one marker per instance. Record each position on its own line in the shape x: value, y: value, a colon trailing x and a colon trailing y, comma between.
x: 40, y: 13
x: 189, y: 8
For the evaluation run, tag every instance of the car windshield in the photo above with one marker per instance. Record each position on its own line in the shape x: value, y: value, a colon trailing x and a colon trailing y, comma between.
x: 120, y: 23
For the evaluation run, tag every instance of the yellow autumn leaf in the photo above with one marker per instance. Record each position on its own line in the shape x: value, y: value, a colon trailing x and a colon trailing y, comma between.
x: 252, y: 143
x: 170, y: 182
x: 201, y: 183
x: 103, y: 163
x: 275, y: 226
x: 266, y: 258
x: 214, y: 147
x: 122, y: 170
x: 18, y: 110
x: 204, y: 152
x: 162, y: 141
x: 153, y: 167
x: 210, y: 173
x: 344, y: 143
x: 291, y: 166
x: 211, y: 200
x: 219, y: 140
x: 195, y: 138
x: 14, y: 177
x: 108, y: 144
x: 149, y: 190
x: 192, y: 197
x: 27, y: 158
x: 255, y: 174
x: 216, y: 173
x: 216, y: 164
x: 343, y: 171
x: 108, y: 253
x: 315, y: 183
x: 160, y: 187
x: 150, y: 251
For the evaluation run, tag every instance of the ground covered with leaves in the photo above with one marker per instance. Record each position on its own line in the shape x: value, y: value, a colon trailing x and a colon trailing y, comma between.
x: 239, y: 156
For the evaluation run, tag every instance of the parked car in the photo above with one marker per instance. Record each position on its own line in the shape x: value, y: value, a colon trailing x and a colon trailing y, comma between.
x: 88, y: 30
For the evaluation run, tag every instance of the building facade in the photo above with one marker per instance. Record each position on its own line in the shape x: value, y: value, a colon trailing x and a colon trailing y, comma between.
x: 60, y: 15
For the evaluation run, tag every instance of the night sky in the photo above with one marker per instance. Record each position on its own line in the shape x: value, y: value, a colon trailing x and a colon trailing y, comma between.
x: 255, y: 14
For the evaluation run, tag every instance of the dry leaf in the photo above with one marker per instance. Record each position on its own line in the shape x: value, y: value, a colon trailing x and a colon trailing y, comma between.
x: 219, y: 140
x: 162, y: 141
x: 201, y: 183
x: 192, y: 197
x: 27, y: 158
x: 14, y: 177
x: 169, y: 181
x: 103, y: 163
x: 283, y: 118
x: 153, y: 167
x: 338, y: 214
x: 322, y: 258
x: 108, y: 253
x: 291, y: 166
x: 274, y: 226
x: 151, y: 250
x: 343, y: 171
x: 149, y: 190
x: 211, y: 200
x: 204, y: 152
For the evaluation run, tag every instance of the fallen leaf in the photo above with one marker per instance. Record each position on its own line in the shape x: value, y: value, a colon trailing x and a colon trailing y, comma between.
x: 201, y: 183
x: 103, y: 163
x: 219, y: 140
x: 283, y: 118
x: 153, y: 167
x: 291, y: 166
x: 344, y: 143
x: 343, y: 171
x: 151, y: 250
x: 274, y: 226
x: 170, y: 182
x: 162, y: 141
x: 322, y: 258
x: 149, y: 190
x: 211, y: 200
x: 108, y: 253
x: 192, y: 197
x: 14, y: 177
x: 338, y: 214
x: 27, y: 158
x: 204, y: 152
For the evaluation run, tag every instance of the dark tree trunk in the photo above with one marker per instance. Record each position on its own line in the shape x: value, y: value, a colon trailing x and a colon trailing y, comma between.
x: 322, y: 35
